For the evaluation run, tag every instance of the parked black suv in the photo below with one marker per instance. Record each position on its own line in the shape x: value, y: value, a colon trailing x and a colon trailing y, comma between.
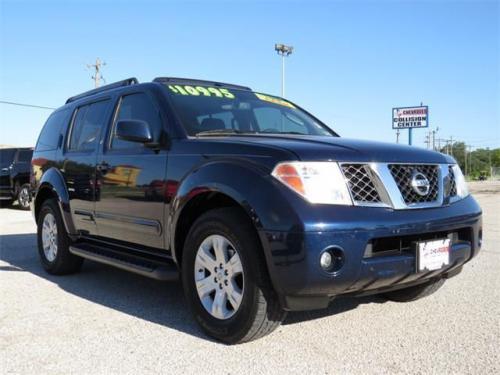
x: 259, y: 206
x: 15, y: 165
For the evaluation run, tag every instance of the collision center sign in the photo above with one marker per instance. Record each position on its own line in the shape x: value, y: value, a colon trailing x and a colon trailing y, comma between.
x: 410, y: 117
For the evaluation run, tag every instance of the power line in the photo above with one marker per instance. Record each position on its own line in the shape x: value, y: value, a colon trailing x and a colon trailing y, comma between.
x: 26, y: 105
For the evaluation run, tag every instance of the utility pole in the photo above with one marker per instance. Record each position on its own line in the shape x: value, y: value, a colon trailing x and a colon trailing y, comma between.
x: 445, y: 147
x: 434, y: 138
x: 489, y: 163
x: 97, y: 77
x: 470, y: 159
x: 465, y: 158
x: 428, y: 139
x: 451, y: 146
x: 283, y: 51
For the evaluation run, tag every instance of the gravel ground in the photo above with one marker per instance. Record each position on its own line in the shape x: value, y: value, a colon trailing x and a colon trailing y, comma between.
x: 108, y: 321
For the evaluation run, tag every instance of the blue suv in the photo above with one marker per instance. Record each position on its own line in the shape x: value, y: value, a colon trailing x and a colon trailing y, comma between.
x: 256, y: 205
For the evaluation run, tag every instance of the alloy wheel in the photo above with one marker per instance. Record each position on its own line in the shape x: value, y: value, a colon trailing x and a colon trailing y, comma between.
x: 24, y: 197
x: 49, y: 237
x: 219, y: 277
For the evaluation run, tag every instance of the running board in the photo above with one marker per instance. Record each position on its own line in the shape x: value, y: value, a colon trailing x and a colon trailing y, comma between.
x: 165, y: 271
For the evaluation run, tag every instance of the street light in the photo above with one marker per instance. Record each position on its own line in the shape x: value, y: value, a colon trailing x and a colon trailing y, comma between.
x: 283, y: 51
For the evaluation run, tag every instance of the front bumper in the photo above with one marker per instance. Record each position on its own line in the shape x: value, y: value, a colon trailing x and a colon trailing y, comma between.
x: 293, y: 257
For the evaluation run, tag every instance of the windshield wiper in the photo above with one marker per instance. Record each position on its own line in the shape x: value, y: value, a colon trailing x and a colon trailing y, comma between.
x: 222, y: 132
x: 279, y: 132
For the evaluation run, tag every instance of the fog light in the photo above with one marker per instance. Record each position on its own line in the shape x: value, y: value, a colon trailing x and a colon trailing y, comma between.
x: 326, y: 260
x: 332, y: 259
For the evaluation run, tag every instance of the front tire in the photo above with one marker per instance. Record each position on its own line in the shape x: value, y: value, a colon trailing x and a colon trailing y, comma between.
x: 416, y: 292
x: 225, y: 278
x: 53, y: 242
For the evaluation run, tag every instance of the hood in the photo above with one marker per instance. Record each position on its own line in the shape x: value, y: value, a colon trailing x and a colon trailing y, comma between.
x: 318, y: 148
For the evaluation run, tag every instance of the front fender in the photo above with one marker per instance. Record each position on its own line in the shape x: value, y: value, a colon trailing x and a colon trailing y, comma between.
x: 250, y: 185
x: 53, y: 180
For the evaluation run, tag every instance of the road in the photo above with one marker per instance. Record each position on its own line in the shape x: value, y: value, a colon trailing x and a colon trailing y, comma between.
x: 104, y: 320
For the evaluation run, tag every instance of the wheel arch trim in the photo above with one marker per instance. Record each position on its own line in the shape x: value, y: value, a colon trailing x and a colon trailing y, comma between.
x: 52, y: 181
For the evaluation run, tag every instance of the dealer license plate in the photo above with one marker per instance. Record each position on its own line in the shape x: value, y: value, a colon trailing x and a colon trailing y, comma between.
x: 433, y: 255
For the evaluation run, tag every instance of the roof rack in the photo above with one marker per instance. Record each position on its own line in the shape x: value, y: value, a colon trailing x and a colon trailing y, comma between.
x: 184, y: 81
x: 125, y: 82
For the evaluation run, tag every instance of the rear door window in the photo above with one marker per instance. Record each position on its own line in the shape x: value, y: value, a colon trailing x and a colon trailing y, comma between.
x: 87, y: 125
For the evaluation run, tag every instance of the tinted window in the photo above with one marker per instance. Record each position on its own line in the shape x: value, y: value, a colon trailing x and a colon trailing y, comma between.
x: 87, y: 126
x: 209, y: 109
x: 7, y: 157
x: 24, y: 156
x: 221, y: 120
x: 49, y: 136
x: 137, y: 107
x: 273, y: 120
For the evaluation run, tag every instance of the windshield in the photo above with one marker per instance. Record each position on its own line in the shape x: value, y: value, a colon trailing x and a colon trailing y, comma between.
x: 7, y: 157
x: 208, y: 110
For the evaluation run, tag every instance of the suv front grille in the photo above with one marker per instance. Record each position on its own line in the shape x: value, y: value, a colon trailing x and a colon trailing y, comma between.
x: 403, y: 174
x: 360, y: 183
x: 400, y: 186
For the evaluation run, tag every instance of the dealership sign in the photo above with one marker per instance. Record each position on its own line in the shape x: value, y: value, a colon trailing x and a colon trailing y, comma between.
x: 410, y: 117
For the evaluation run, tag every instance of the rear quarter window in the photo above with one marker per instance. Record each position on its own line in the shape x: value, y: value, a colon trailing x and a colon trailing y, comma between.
x: 24, y: 156
x: 51, y: 131
x: 7, y: 156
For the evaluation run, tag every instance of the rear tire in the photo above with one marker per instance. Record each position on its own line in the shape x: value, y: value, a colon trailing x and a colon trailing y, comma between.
x: 416, y: 292
x: 258, y: 311
x: 53, y: 242
x: 23, y: 197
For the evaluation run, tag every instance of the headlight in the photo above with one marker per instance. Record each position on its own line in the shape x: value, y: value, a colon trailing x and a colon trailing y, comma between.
x: 318, y: 182
x: 462, y: 189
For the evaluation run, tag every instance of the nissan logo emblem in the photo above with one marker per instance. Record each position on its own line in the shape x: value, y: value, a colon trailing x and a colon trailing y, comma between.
x: 420, y: 183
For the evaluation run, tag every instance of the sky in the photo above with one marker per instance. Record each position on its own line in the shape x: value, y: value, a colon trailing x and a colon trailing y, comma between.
x: 353, y: 61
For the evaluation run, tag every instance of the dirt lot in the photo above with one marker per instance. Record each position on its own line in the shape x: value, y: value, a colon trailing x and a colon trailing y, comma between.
x: 104, y: 320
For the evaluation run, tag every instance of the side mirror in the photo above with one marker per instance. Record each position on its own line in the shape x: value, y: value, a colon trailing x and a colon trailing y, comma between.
x: 133, y: 131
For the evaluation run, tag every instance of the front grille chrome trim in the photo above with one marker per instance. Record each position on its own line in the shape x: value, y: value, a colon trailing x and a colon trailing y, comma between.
x: 389, y: 192
x: 363, y: 196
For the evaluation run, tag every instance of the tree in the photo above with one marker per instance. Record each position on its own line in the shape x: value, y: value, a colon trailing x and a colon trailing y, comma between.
x: 457, y: 150
x: 478, y: 161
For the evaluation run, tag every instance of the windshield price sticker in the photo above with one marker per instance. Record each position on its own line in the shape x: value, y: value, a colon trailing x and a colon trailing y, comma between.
x: 272, y: 99
x: 410, y: 117
x: 201, y: 91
